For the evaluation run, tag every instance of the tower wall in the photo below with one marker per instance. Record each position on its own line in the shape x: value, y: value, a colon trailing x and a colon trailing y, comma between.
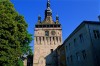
x: 43, y: 45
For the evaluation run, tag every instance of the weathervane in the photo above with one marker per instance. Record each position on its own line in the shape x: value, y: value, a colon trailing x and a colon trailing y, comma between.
x: 48, y: 3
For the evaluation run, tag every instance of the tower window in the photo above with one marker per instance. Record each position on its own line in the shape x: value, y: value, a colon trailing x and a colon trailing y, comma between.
x: 60, y: 39
x: 40, y: 26
x: 53, y: 38
x: 48, y: 26
x: 58, y: 25
x: 36, y: 38
x: 43, y: 38
x: 96, y: 34
x: 57, y: 39
x: 44, y: 25
x: 51, y: 25
x: 50, y: 38
x: 36, y: 26
x: 55, y: 25
x: 40, y: 39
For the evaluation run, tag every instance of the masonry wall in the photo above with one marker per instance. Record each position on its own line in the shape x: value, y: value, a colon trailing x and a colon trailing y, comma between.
x: 79, y: 51
x: 95, y: 40
x: 43, y: 45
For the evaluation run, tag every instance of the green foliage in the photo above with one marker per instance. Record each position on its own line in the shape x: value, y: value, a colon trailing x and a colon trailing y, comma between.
x: 14, y: 38
x: 20, y: 63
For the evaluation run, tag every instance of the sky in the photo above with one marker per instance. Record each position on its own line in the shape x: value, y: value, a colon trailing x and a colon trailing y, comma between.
x: 71, y: 13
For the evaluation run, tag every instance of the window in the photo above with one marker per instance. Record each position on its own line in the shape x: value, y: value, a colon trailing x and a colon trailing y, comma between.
x: 84, y: 54
x: 36, y: 38
x: 53, y: 39
x: 44, y: 26
x: 36, y: 26
x: 74, y: 41
x: 55, y: 25
x: 81, y: 38
x: 51, y: 25
x: 58, y: 25
x: 71, y: 59
x: 69, y: 46
x: 50, y: 38
x: 40, y: 39
x: 57, y: 39
x: 77, y: 56
x: 43, y: 38
x: 96, y: 34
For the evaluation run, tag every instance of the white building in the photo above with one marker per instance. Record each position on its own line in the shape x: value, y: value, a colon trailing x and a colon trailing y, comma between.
x: 83, y: 45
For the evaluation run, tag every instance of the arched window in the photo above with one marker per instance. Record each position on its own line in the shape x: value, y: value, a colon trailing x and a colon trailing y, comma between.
x: 40, y: 39
x: 43, y: 38
x: 60, y: 39
x: 57, y: 39
x: 53, y: 38
x: 36, y: 38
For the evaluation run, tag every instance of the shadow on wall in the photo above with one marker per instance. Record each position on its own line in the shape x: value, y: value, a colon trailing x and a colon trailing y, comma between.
x: 52, y: 59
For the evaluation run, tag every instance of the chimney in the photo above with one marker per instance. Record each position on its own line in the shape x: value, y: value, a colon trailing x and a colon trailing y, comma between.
x: 99, y: 18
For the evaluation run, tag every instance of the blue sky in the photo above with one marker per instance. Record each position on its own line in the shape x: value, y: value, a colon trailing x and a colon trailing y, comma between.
x: 71, y: 12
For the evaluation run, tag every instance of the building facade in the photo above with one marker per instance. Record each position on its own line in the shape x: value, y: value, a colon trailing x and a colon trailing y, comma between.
x: 83, y: 45
x: 47, y: 37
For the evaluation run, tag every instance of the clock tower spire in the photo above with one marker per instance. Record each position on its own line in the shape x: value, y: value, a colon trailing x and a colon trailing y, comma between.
x: 48, y: 11
x: 48, y: 3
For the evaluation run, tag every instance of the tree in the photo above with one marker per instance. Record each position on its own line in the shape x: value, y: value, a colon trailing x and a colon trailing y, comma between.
x: 14, y: 37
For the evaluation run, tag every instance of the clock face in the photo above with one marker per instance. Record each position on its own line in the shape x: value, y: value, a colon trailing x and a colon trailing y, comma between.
x: 46, y: 33
x: 53, y: 32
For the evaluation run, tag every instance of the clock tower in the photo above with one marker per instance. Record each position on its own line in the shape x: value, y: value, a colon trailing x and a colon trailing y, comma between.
x: 47, y: 37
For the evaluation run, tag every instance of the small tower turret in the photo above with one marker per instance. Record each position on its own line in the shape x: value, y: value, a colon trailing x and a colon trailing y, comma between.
x: 39, y: 19
x: 57, y: 19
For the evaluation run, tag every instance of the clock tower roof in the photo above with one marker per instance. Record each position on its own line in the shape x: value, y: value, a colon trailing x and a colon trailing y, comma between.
x: 48, y: 16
